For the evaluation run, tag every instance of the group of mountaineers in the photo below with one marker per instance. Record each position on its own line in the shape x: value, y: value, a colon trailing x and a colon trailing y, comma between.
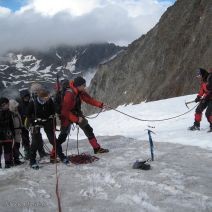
x: 36, y: 109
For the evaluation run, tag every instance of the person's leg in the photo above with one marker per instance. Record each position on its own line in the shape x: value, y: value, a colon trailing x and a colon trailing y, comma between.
x: 198, y: 116
x: 41, y: 150
x: 8, y: 154
x: 88, y: 130
x: 26, y: 143
x: 16, y: 153
x: 36, y: 138
x: 50, y: 132
x: 64, y: 132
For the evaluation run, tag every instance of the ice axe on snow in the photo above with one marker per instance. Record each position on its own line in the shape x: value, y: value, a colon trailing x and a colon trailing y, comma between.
x: 187, y: 103
x: 144, y: 164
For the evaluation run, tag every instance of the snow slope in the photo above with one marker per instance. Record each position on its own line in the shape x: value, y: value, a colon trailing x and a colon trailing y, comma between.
x: 112, y: 123
x: 180, y: 178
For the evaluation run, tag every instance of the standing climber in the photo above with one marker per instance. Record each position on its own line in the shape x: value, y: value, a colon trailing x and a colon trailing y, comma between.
x: 71, y: 113
x: 202, y: 74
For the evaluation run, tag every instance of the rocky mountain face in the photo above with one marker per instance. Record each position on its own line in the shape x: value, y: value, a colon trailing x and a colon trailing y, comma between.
x: 162, y: 63
x: 20, y: 69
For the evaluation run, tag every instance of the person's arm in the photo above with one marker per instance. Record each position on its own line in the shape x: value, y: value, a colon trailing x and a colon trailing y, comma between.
x: 89, y: 100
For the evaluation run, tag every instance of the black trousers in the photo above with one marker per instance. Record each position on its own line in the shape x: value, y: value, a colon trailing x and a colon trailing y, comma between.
x: 201, y: 107
x: 16, y: 151
x: 37, y: 140
x: 86, y: 128
x: 7, y: 147
x: 26, y: 142
x: 25, y: 138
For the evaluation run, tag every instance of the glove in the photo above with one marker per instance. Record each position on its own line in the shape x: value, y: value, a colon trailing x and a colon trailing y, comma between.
x: 197, y: 99
x: 105, y: 107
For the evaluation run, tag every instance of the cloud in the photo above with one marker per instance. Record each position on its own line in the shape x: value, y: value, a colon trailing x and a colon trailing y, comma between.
x: 43, y: 24
x: 4, y: 11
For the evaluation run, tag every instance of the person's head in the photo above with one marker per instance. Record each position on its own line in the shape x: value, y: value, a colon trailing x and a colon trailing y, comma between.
x: 25, y: 95
x: 35, y: 88
x: 80, y: 83
x: 4, y: 103
x: 13, y: 105
x: 43, y: 96
x: 202, y: 74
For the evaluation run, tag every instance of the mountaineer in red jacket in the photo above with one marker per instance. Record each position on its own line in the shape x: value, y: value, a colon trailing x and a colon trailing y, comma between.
x: 71, y: 112
x: 202, y: 75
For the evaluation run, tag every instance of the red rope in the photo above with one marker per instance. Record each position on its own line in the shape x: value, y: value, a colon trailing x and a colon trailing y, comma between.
x: 56, y: 171
x: 82, y: 158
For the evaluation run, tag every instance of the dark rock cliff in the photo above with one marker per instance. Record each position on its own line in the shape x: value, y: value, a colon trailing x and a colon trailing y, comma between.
x: 162, y: 63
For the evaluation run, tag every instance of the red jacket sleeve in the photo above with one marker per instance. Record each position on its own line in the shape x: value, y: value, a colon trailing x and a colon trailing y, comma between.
x: 202, y: 90
x: 67, y: 105
x: 89, y: 100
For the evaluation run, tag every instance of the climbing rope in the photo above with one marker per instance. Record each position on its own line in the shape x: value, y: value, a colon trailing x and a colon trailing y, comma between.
x: 56, y: 171
x: 154, y: 120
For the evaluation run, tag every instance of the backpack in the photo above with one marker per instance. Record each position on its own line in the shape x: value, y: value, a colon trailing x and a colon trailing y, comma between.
x: 60, y: 93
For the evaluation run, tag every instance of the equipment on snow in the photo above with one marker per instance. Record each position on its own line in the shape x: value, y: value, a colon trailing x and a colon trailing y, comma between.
x: 82, y: 159
x: 186, y: 103
x: 144, y: 165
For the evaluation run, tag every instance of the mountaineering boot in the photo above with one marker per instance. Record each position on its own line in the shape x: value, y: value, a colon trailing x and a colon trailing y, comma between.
x: 196, y: 126
x: 35, y: 166
x: 7, y: 166
x: 100, y: 150
x: 66, y: 161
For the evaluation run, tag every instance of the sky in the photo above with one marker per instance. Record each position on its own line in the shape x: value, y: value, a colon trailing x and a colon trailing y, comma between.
x: 41, y: 24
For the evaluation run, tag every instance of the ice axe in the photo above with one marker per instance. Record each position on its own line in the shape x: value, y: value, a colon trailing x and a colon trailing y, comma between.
x: 187, y: 103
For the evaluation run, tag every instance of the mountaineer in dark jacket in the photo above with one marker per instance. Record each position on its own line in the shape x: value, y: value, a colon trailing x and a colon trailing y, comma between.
x: 202, y: 74
x: 23, y: 107
x: 7, y: 132
x: 41, y: 114
x: 71, y: 113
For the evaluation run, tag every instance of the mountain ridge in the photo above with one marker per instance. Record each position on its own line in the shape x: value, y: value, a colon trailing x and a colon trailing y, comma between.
x: 162, y: 63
